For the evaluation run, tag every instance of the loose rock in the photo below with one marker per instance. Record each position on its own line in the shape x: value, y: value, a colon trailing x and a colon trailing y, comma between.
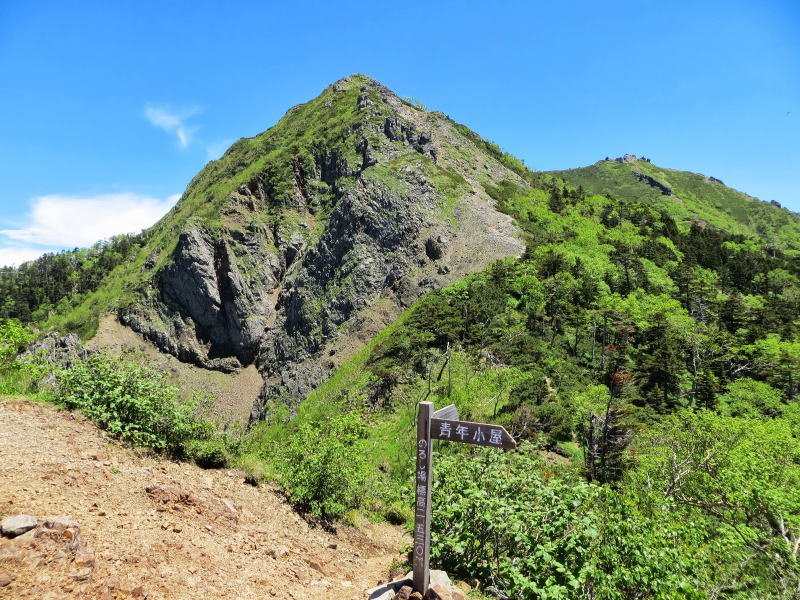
x: 404, y: 593
x: 14, y: 526
x: 438, y: 592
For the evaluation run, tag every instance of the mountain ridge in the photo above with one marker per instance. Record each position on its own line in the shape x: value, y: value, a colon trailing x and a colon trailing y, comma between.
x: 299, y: 244
x: 353, y: 199
x: 689, y: 197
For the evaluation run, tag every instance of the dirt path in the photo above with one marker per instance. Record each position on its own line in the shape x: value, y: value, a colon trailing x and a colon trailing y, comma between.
x: 194, y: 534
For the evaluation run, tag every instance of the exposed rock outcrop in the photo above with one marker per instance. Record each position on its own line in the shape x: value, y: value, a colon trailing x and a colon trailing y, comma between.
x: 57, y: 350
x: 653, y: 182
x: 322, y: 233
x: 630, y: 158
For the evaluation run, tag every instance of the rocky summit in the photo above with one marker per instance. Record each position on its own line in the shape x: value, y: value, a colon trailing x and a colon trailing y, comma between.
x: 299, y: 244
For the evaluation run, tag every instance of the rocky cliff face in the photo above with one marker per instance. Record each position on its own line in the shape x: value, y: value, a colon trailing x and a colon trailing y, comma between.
x: 322, y: 238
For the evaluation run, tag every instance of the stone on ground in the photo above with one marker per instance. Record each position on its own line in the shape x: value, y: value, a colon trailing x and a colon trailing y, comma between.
x: 14, y: 526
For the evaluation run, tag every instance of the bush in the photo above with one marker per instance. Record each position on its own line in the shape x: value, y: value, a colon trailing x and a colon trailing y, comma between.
x: 209, y: 454
x: 323, y: 467
x: 527, y: 533
x: 14, y: 337
x: 132, y: 402
x: 746, y: 397
x: 252, y: 468
x: 17, y: 376
x: 496, y: 519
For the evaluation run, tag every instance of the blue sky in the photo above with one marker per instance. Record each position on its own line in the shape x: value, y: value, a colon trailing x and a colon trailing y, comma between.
x: 109, y: 108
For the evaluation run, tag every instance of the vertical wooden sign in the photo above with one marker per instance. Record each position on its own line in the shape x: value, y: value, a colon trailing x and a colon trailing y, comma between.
x: 422, y: 507
x: 441, y: 425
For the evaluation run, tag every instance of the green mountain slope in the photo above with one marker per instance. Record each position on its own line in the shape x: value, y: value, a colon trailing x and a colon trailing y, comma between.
x: 636, y: 329
x: 305, y: 240
x: 689, y: 197
x: 653, y: 363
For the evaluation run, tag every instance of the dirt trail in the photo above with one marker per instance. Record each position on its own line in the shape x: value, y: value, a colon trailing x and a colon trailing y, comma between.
x: 195, y: 534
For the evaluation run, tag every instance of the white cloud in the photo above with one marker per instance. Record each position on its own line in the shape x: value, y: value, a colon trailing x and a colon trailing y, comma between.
x: 14, y: 256
x: 58, y: 221
x: 172, y: 122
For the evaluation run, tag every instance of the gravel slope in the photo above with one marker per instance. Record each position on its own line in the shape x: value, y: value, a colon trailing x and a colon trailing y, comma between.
x: 156, y: 529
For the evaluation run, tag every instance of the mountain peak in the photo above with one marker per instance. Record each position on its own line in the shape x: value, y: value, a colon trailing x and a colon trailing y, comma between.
x: 687, y: 197
x: 295, y: 246
x: 362, y: 84
x: 357, y: 79
x: 627, y: 158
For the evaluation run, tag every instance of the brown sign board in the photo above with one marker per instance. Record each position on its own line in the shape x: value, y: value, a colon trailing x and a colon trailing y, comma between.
x: 442, y: 424
x: 480, y: 434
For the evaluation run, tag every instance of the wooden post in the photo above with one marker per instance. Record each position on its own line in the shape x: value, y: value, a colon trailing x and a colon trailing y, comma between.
x: 422, y: 508
x: 441, y: 425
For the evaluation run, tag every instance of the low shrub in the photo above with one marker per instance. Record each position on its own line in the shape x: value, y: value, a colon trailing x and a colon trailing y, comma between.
x: 525, y: 532
x: 17, y: 375
x: 252, y: 468
x: 14, y: 337
x: 323, y: 467
x: 209, y: 454
x: 133, y: 402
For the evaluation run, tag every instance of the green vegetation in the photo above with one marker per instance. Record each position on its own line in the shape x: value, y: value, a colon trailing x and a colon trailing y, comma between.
x: 14, y: 337
x: 121, y: 395
x: 323, y: 468
x: 645, y: 350
x: 57, y: 282
x: 134, y: 403
x: 527, y: 533
x: 692, y: 197
x: 622, y: 344
x: 17, y: 375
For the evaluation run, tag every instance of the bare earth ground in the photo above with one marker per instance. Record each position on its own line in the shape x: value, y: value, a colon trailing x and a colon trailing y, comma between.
x: 233, y: 394
x: 195, y: 534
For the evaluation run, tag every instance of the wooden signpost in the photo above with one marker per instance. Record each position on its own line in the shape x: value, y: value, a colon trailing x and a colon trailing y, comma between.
x: 441, y: 425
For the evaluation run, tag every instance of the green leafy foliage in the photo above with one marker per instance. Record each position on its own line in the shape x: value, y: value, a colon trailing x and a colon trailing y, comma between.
x: 527, y: 533
x: 17, y: 375
x: 209, y: 453
x: 14, y: 337
x: 59, y: 281
x: 496, y: 520
x: 322, y: 466
x: 132, y: 402
x: 743, y: 477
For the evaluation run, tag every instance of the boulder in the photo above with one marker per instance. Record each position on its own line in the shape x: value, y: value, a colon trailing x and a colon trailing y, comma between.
x: 441, y: 579
x: 401, y: 589
x: 404, y: 593
x: 438, y: 592
x: 14, y: 526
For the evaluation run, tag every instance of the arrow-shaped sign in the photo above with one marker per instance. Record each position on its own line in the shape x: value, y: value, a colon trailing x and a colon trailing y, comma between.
x: 448, y: 412
x: 481, y: 434
x: 441, y: 425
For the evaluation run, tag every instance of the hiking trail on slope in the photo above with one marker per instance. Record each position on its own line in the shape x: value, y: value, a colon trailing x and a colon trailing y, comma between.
x: 162, y: 530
